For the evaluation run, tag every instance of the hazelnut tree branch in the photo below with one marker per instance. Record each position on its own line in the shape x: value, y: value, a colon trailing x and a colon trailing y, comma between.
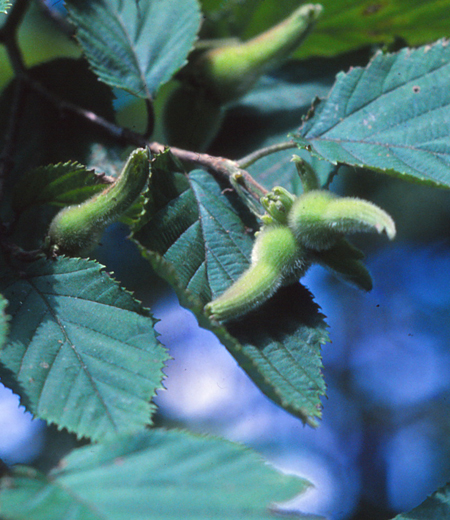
x: 218, y: 165
x: 234, y: 171
x: 246, y: 161
x: 9, y: 39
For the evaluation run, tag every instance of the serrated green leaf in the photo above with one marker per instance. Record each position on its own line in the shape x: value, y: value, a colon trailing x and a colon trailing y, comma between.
x: 435, y: 507
x: 29, y: 494
x: 393, y: 116
x: 157, y: 474
x: 4, y: 6
x: 136, y: 46
x: 57, y: 184
x: 83, y: 351
x: 198, y: 238
x: 343, y: 26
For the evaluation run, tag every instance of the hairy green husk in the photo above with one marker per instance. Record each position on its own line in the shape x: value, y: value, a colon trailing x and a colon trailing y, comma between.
x: 275, y: 257
x: 77, y: 229
x: 319, y: 218
x: 297, y: 232
x: 230, y: 71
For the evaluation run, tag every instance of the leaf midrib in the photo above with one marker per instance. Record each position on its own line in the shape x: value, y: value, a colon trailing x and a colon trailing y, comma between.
x: 72, y: 346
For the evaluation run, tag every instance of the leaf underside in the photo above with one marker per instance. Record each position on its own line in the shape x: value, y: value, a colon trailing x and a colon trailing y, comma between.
x: 136, y: 46
x: 392, y: 116
x: 199, y: 239
x: 168, y: 475
x: 84, y: 353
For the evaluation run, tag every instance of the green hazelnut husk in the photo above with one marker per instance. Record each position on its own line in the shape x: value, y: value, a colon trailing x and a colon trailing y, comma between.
x: 220, y: 74
x: 297, y: 232
x: 319, y: 218
x: 276, y: 259
x: 76, y: 230
x: 230, y: 71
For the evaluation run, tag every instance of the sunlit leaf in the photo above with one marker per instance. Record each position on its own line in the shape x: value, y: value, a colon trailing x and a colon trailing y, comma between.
x: 83, y: 351
x: 392, y: 116
x: 136, y: 46
x: 157, y: 474
x: 343, y: 26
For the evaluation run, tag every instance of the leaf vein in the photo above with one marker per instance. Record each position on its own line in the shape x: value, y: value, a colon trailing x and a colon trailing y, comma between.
x: 72, y: 346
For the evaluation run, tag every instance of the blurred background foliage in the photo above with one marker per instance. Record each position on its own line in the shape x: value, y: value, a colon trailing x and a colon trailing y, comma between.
x: 383, y: 444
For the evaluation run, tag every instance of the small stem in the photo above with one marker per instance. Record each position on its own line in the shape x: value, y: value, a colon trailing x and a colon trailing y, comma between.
x: 4, y: 470
x: 15, y: 56
x: 231, y: 170
x: 8, y: 36
x: 219, y: 165
x: 246, y: 161
x: 11, y: 134
x: 224, y: 167
x: 114, y: 131
x: 14, y: 19
x: 150, y: 118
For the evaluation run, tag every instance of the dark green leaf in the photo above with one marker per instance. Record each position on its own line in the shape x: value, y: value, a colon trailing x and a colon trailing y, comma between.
x: 270, y: 112
x: 83, y: 351
x: 56, y: 184
x: 4, y: 326
x: 51, y: 135
x: 392, y: 116
x: 136, y: 46
x: 199, y: 239
x: 156, y: 475
x: 435, y: 507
